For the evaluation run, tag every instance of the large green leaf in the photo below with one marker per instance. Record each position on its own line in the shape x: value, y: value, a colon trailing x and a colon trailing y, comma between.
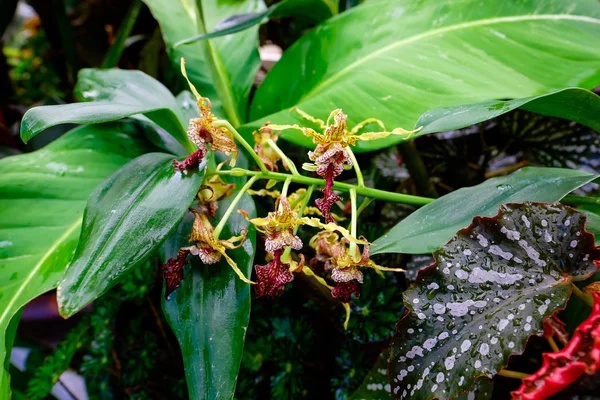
x: 109, y: 95
x: 221, y: 68
x: 210, y: 311
x: 127, y: 217
x: 490, y: 289
x: 574, y: 104
x: 396, y: 59
x: 42, y: 198
x: 431, y: 226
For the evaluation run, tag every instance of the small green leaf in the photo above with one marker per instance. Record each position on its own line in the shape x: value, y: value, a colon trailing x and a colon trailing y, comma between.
x: 110, y: 95
x: 491, y: 287
x: 209, y: 312
x: 42, y: 200
x: 127, y: 217
x: 118, y: 46
x: 574, y: 104
x: 434, y: 224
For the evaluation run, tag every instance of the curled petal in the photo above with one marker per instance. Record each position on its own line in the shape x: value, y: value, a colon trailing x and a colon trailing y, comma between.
x: 173, y: 271
x: 344, y: 290
x: 330, y: 227
x: 285, y: 238
x: 208, y: 255
x: 236, y: 269
x: 272, y: 277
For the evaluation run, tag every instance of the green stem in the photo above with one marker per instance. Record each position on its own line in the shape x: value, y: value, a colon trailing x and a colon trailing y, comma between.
x: 290, y: 164
x: 345, y: 187
x: 363, y: 205
x: 353, y: 225
x: 225, y: 124
x: 232, y: 207
x: 586, y: 298
x: 359, y: 176
x: 512, y: 374
x: 416, y: 168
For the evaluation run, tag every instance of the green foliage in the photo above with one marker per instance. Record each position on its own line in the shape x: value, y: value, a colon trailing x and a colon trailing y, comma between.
x: 395, y: 60
x: 433, y: 225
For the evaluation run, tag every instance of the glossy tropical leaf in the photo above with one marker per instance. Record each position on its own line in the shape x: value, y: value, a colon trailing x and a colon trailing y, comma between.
x: 210, y: 311
x: 110, y: 95
x: 491, y: 287
x: 562, y: 368
x: 222, y: 68
x: 574, y: 104
x: 127, y: 218
x: 396, y: 59
x: 315, y: 10
x: 52, y: 185
x: 431, y: 226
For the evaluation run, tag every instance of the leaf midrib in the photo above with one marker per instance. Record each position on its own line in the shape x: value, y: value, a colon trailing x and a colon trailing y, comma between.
x: 434, y: 32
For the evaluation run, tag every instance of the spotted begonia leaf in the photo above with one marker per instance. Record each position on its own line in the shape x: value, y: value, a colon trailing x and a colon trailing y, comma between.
x: 376, y: 385
x: 562, y: 368
x: 490, y: 288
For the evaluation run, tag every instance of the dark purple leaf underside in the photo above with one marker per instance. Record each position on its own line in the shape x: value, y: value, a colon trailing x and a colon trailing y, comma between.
x: 490, y: 288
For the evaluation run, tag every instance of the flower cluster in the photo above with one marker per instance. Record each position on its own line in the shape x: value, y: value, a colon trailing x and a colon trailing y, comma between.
x: 332, y: 153
x: 207, y: 247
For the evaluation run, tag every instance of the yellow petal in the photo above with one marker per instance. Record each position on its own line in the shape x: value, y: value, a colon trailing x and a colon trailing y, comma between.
x: 192, y: 87
x: 264, y: 192
x: 347, y: 308
x: 235, y: 268
x: 307, y: 271
x: 330, y: 227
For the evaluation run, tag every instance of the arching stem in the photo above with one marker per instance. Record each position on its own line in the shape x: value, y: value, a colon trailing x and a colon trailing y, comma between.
x: 232, y: 207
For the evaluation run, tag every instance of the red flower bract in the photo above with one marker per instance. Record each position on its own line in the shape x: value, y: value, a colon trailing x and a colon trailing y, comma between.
x: 563, y: 368
x: 173, y: 271
x: 273, y: 276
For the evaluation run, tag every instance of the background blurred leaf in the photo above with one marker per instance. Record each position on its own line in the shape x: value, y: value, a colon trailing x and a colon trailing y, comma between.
x: 395, y: 60
x: 126, y: 218
x: 116, y: 49
x: 210, y: 311
x: 41, y: 204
